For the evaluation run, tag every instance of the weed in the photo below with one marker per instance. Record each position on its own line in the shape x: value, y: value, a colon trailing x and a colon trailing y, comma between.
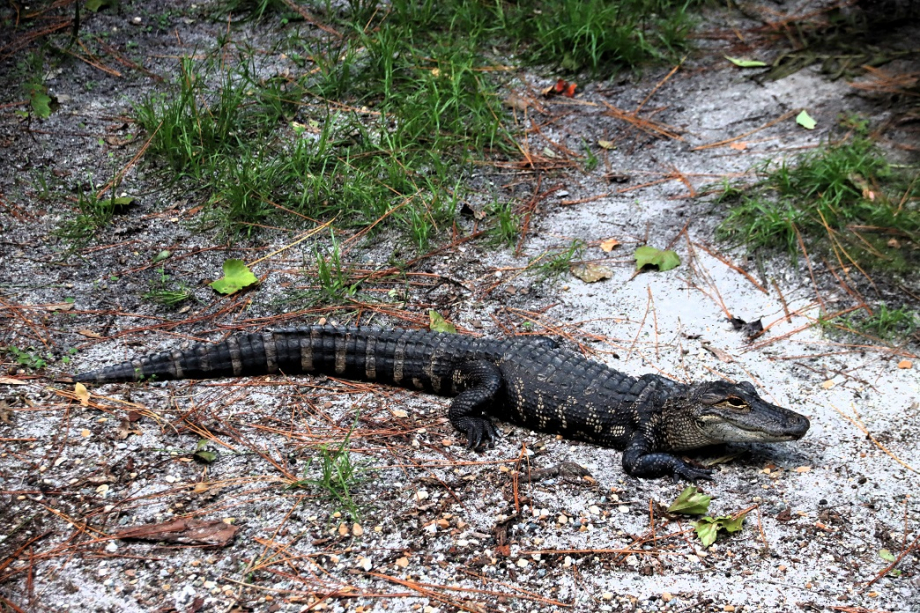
x: 44, y: 183
x: 576, y: 35
x: 32, y: 67
x: 339, y: 476
x: 245, y: 189
x: 552, y: 265
x: 245, y: 10
x: 94, y: 213
x: 198, y: 120
x: 591, y: 159
x: 30, y: 357
x: 847, y: 195
x: 333, y: 276
x: 162, y: 291
x: 420, y: 66
x: 885, y: 323
x: 507, y: 225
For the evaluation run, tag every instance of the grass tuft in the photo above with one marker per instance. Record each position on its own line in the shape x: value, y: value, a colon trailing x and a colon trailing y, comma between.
x: 339, y: 476
x: 383, y: 121
x: 166, y: 292
x: 843, y: 198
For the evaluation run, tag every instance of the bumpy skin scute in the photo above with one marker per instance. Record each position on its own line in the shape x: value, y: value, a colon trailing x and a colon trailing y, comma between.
x: 530, y: 381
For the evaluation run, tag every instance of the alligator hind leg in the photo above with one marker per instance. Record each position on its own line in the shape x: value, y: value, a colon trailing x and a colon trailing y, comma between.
x: 481, y: 381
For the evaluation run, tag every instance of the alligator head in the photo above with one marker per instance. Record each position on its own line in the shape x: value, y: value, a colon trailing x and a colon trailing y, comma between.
x: 716, y: 412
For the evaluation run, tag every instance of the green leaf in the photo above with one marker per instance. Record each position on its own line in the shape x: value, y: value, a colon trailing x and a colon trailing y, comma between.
x: 95, y: 5
x: 161, y: 256
x: 122, y: 201
x: 236, y: 276
x: 205, y: 456
x: 742, y: 63
x: 690, y: 502
x: 805, y: 120
x: 439, y: 324
x: 41, y: 103
x: 729, y: 523
x: 649, y: 256
x: 889, y: 557
x: 707, y: 530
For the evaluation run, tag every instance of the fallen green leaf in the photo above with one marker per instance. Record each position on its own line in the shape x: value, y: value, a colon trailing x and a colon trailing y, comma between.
x: 95, y: 5
x: 439, y: 324
x: 690, y: 502
x: 731, y: 524
x: 41, y: 102
x: 236, y: 276
x: 805, y: 120
x: 649, y: 256
x: 742, y: 63
x: 707, y: 530
x: 201, y: 453
x: 161, y: 256
x: 121, y: 201
x: 592, y: 273
x: 205, y: 456
x: 889, y: 557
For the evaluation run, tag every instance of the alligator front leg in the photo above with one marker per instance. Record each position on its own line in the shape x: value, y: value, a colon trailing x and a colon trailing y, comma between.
x: 480, y: 381
x: 639, y: 461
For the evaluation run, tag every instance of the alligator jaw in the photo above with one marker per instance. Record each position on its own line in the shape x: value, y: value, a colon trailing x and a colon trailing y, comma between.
x: 718, y: 412
x: 765, y: 424
x: 758, y: 422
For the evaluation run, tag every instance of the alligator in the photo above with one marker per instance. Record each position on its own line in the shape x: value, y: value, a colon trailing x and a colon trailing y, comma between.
x: 532, y: 381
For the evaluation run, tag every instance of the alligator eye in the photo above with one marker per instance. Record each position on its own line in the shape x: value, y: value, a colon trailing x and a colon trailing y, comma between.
x: 736, y: 402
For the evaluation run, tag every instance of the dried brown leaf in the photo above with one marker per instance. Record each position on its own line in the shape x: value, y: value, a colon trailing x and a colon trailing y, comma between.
x: 213, y: 533
x: 592, y: 273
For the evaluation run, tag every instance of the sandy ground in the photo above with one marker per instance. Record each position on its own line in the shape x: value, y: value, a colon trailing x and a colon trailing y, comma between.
x: 441, y: 528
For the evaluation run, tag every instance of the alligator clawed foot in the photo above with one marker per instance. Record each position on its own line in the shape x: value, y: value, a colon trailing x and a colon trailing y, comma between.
x: 480, y: 433
x: 692, y: 473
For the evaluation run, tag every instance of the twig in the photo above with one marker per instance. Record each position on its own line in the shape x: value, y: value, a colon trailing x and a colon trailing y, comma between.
x: 858, y: 423
x: 891, y: 566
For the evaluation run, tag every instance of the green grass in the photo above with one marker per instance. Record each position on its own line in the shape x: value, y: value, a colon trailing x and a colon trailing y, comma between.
x: 339, y: 476
x: 93, y: 212
x: 552, y: 265
x: 595, y: 36
x: 380, y: 125
x: 334, y: 277
x: 845, y: 200
x: 506, y: 224
x: 884, y: 323
x: 166, y: 292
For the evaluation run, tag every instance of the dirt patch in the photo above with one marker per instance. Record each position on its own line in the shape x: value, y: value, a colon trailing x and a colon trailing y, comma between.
x: 439, y: 528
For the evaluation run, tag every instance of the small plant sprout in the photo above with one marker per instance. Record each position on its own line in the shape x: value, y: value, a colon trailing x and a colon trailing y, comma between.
x: 339, y: 475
